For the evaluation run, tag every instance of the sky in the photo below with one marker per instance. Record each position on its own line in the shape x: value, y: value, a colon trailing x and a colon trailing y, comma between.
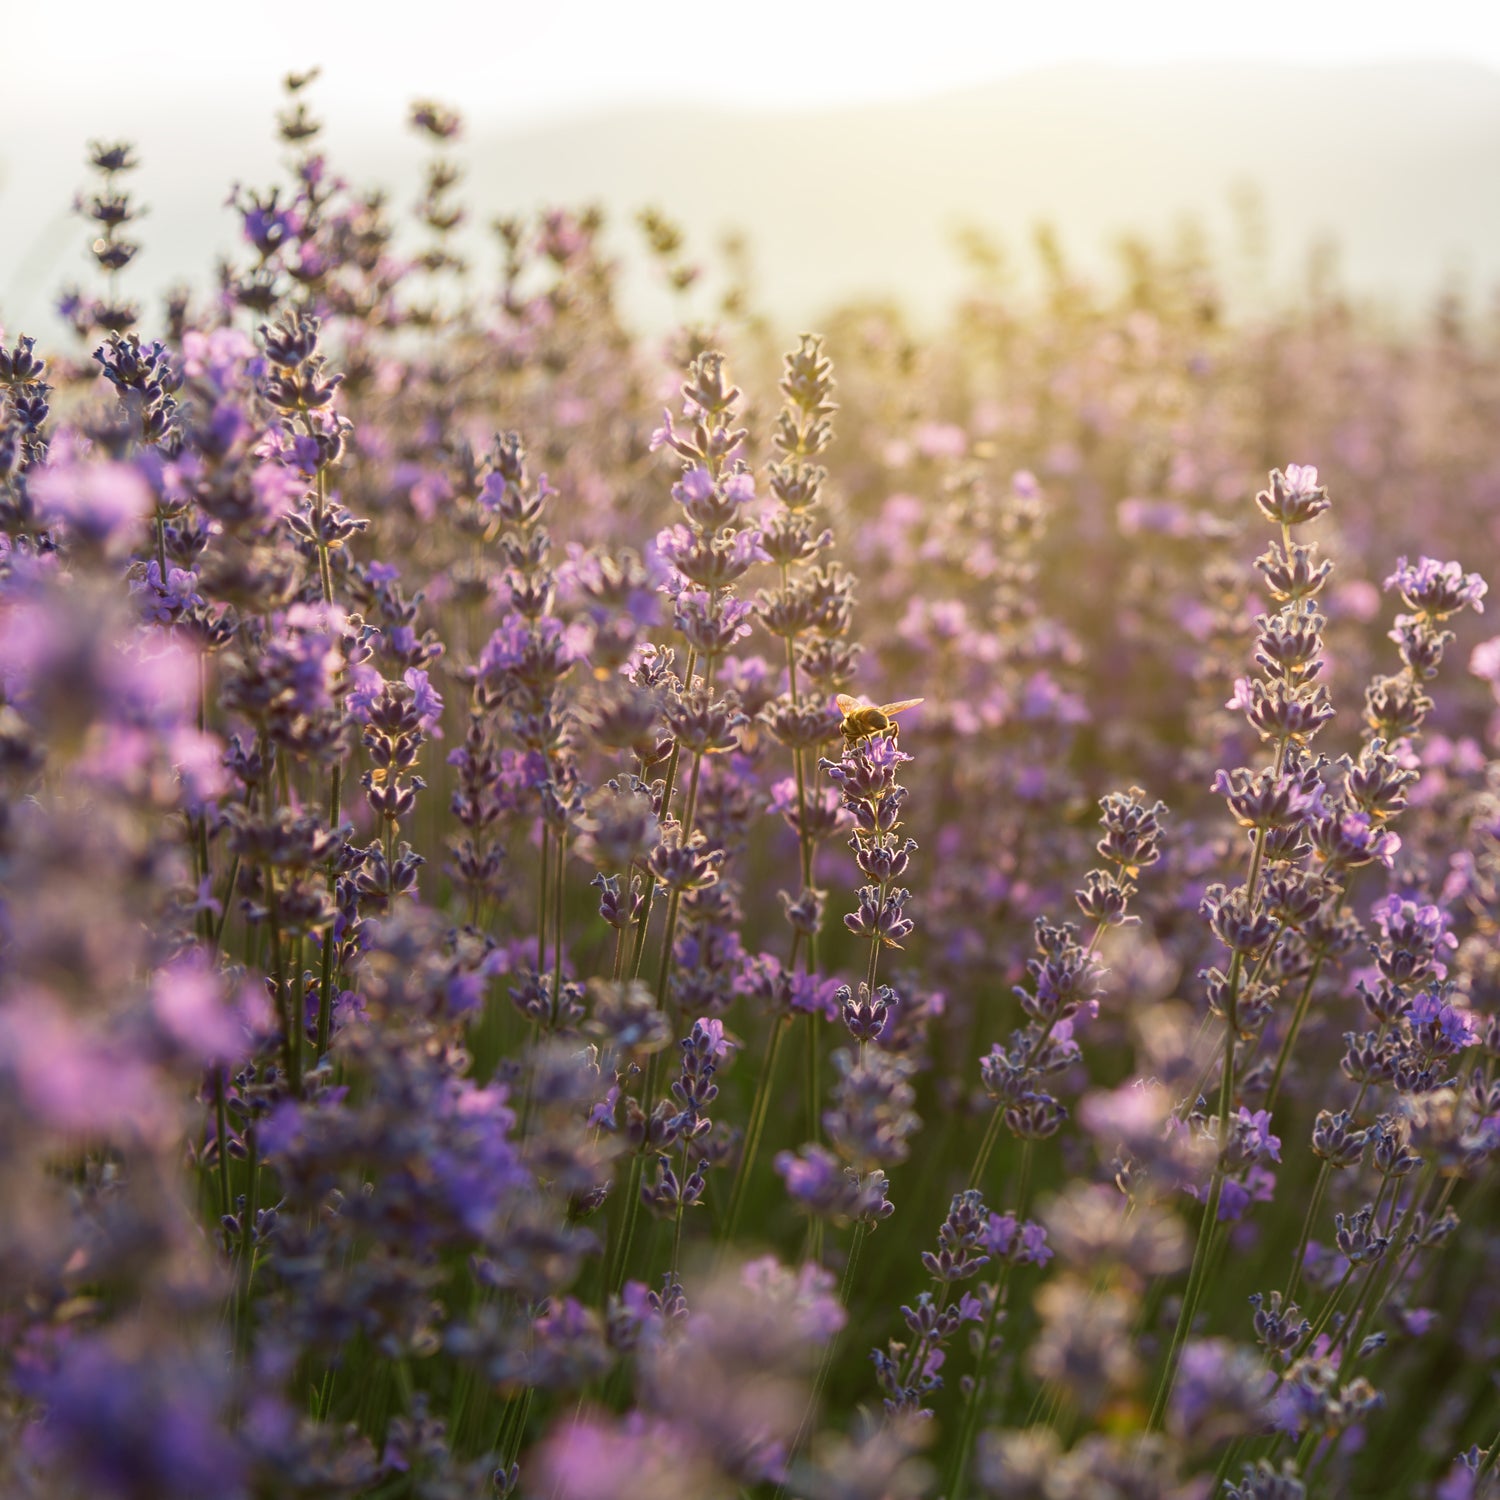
x: 511, y: 63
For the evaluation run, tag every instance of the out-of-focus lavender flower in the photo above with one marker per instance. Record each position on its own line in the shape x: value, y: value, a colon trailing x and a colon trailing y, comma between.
x: 1262, y: 1481
x: 1221, y: 1393
x: 639, y: 1458
x: 134, y: 1419
x: 1470, y: 1478
x: 820, y: 1184
x: 1087, y: 1226
x: 69, y: 660
x: 1137, y: 1122
x: 76, y: 1082
x: 1084, y: 1344
x: 727, y: 1427
x: 188, y: 998
x: 103, y: 505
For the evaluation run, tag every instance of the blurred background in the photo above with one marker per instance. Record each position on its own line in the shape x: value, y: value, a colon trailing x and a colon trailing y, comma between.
x: 856, y: 146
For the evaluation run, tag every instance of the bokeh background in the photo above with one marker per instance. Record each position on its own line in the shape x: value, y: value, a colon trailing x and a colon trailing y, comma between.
x: 853, y: 144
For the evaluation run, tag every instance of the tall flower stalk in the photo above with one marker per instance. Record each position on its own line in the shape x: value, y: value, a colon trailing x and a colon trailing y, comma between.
x: 1285, y: 706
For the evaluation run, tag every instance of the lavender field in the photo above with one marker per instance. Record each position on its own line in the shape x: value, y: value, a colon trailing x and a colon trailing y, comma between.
x: 598, y: 915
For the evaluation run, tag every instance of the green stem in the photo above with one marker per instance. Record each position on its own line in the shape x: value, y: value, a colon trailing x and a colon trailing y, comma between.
x: 758, y: 1111
x: 557, y: 912
x: 325, y: 972
x: 618, y: 965
x: 811, y: 1079
x: 161, y: 547
x: 1313, y: 1205
x: 247, y: 1236
x: 518, y: 1434
x: 632, y: 1209
x: 1307, y: 1447
x: 1232, y: 1452
x: 285, y: 1002
x: 1209, y: 1222
x: 1299, y: 1015
x: 986, y: 1147
x: 543, y: 884
x: 1324, y: 1317
x: 224, y: 905
x: 992, y: 1130
x: 804, y: 838
x: 221, y: 1123
x: 664, y: 971
x: 682, y: 1177
x: 969, y: 1425
x: 666, y: 812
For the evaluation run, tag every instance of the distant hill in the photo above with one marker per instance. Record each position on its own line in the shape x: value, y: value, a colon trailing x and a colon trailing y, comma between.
x: 1397, y: 164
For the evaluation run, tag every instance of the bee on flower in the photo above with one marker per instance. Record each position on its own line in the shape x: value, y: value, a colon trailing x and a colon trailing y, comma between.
x: 863, y: 720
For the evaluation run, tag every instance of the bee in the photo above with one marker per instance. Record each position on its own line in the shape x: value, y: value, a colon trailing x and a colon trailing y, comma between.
x: 863, y: 721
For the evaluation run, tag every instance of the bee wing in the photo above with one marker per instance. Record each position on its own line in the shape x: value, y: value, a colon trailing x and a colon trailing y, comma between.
x: 848, y: 705
x: 901, y: 707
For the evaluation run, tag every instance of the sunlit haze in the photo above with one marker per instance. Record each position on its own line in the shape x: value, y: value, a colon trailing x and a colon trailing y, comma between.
x: 511, y: 62
x: 848, y: 141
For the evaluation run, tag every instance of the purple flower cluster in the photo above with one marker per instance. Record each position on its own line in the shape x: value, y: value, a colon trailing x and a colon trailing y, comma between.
x: 486, y: 1008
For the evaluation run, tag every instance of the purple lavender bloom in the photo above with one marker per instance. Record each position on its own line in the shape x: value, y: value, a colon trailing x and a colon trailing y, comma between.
x: 532, y: 651
x: 710, y: 506
x: 813, y: 1176
x: 1221, y: 1392
x: 102, y: 504
x: 708, y: 1039
x: 881, y: 918
x: 567, y: 1346
x: 189, y: 1003
x: 1025, y: 1244
x: 365, y: 687
x: 814, y: 995
x: 78, y: 1082
x: 806, y: 1297
x: 307, y: 656
x: 1484, y: 661
x: 634, y: 1458
x: 1294, y: 497
x: 710, y: 562
x: 137, y: 1421
x: 1449, y: 1028
x: 426, y: 703
x: 478, y: 1166
x: 278, y: 491
x: 164, y: 603
x: 1462, y: 1480
x: 1436, y: 589
x: 1253, y: 1135
x: 1237, y: 1194
x: 819, y: 1183
x: 710, y: 627
x: 1259, y: 800
x: 1348, y: 840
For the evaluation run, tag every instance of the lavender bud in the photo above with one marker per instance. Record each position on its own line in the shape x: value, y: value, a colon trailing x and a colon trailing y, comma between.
x: 1293, y: 498
x: 1335, y: 1141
